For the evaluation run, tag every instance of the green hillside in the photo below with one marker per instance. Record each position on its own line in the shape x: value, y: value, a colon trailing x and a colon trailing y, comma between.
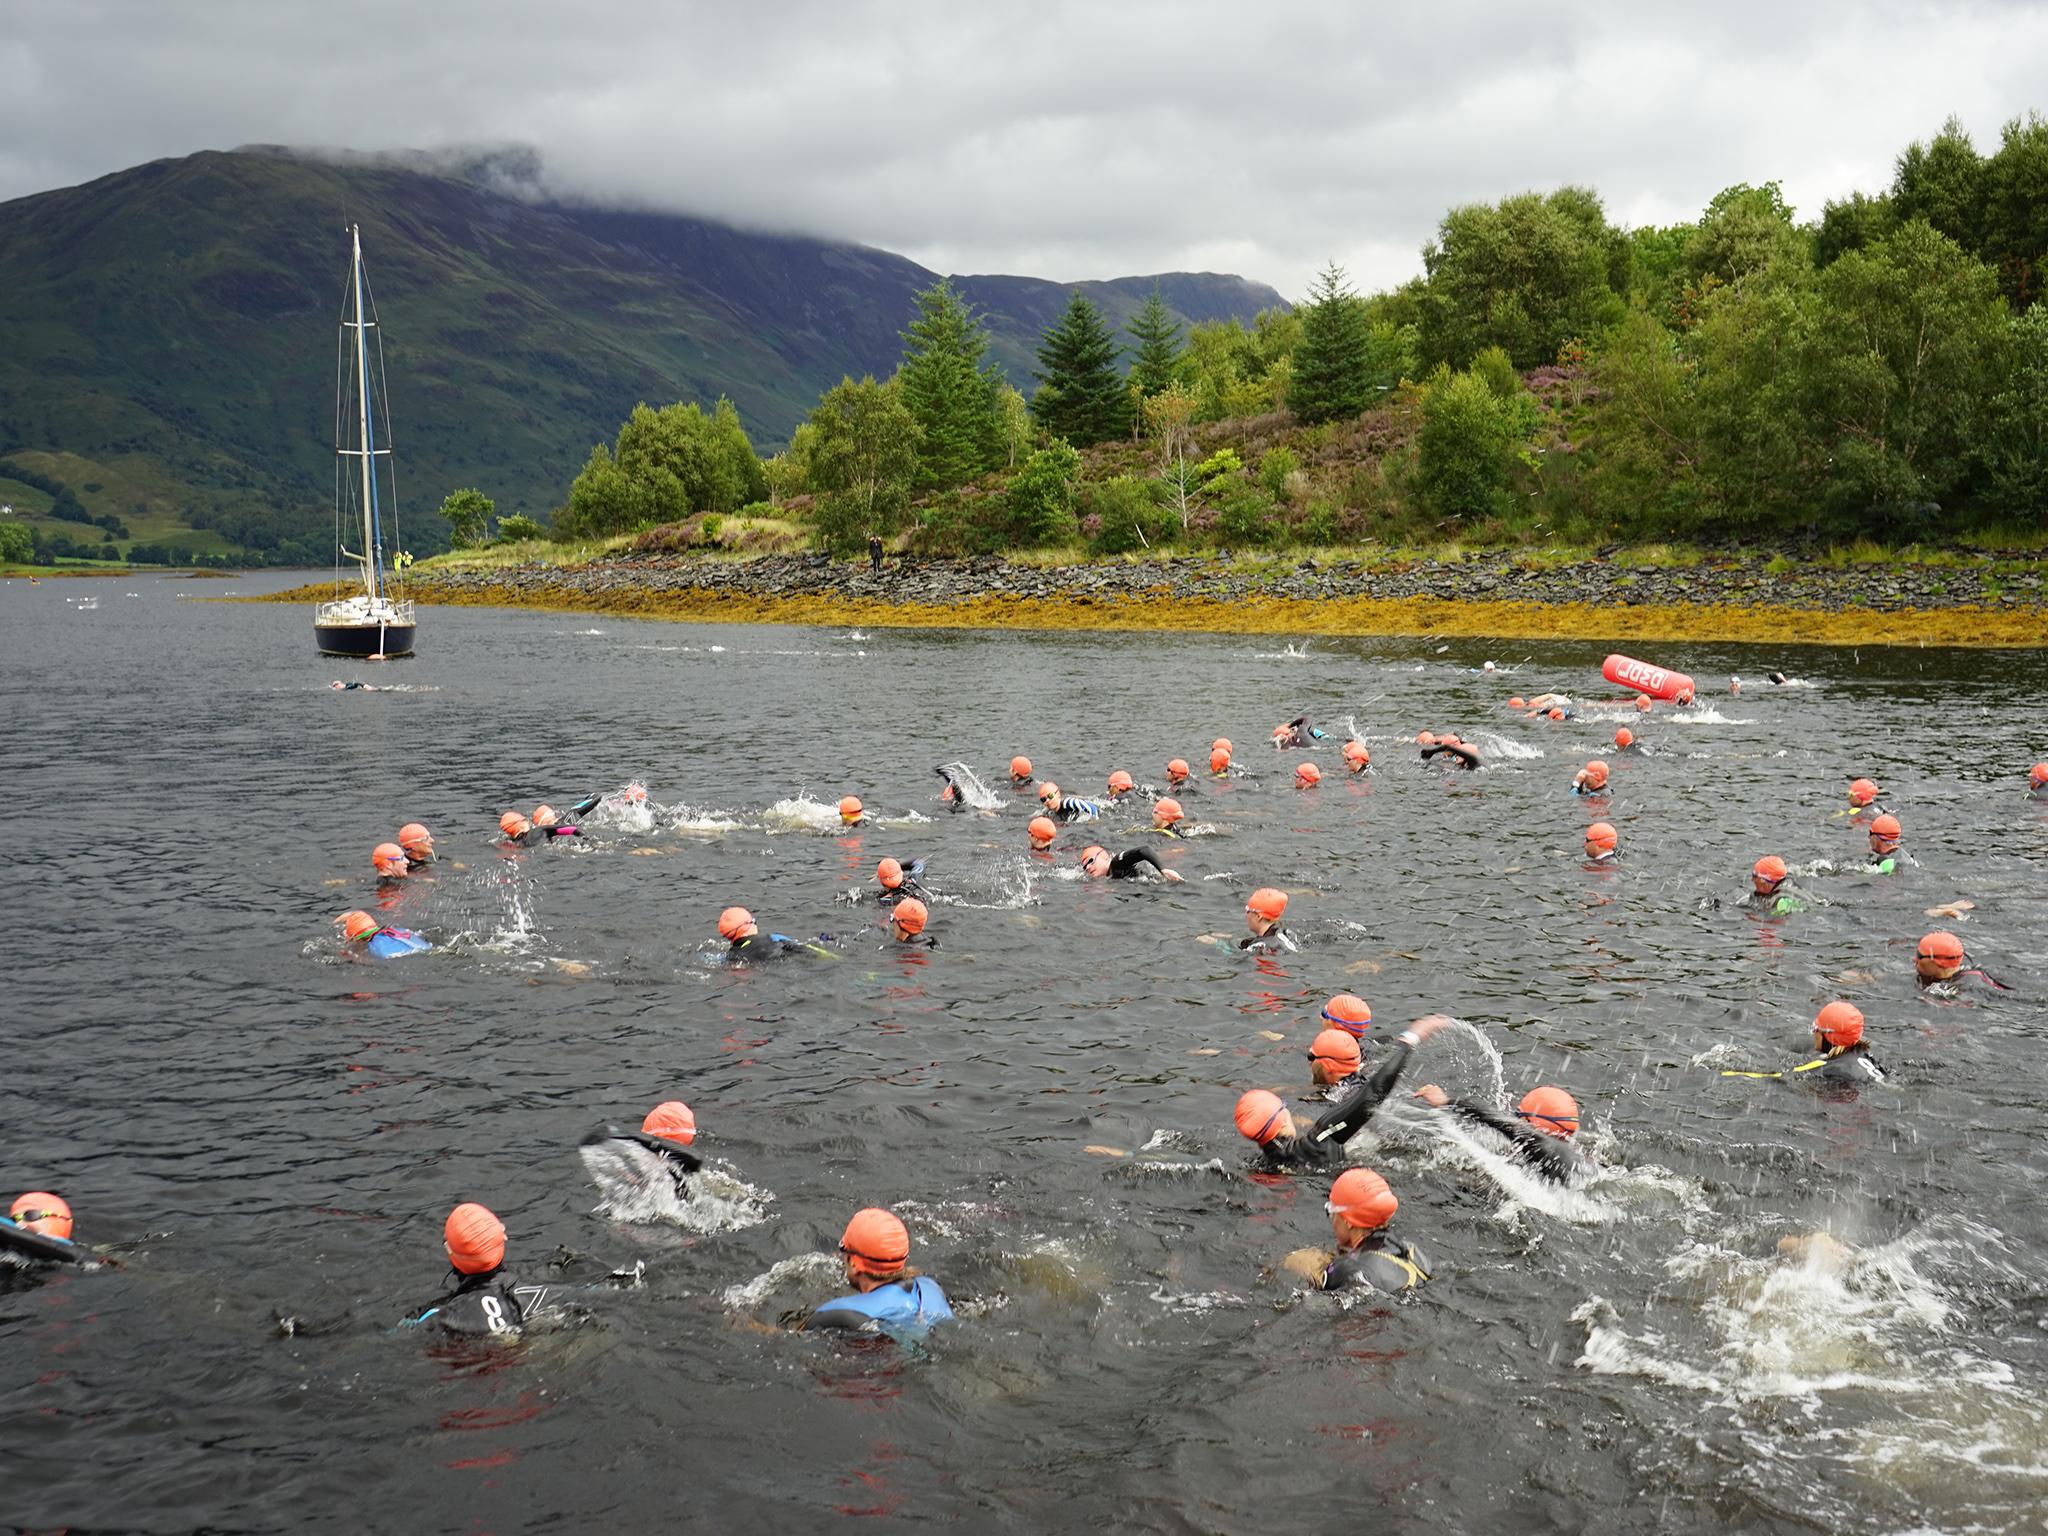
x: 170, y: 336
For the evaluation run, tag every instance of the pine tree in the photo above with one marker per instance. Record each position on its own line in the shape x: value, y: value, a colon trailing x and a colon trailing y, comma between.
x: 1332, y: 370
x: 1155, y: 362
x: 951, y: 390
x: 1081, y: 393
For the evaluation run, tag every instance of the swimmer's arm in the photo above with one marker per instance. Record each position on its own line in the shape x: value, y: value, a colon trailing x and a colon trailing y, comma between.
x: 1311, y: 1264
x: 1346, y: 1118
x: 1529, y: 1144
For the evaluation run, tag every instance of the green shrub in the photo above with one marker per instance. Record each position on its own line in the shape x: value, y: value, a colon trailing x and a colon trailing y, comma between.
x: 1042, y: 497
x: 518, y: 528
x: 1274, y: 469
x: 1124, y: 514
x: 1245, y: 514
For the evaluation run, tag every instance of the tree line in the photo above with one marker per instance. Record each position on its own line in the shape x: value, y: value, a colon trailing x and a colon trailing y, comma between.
x: 1880, y: 369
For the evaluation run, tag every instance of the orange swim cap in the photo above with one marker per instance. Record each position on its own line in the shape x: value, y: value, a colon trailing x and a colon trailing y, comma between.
x: 1177, y: 770
x: 414, y: 838
x: 849, y: 808
x: 1556, y: 714
x: 890, y: 873
x: 1942, y: 947
x: 2038, y: 774
x: 357, y: 925
x: 1551, y: 1110
x: 475, y: 1240
x: 1221, y: 744
x: 875, y: 1243
x: 1120, y: 782
x: 388, y: 859
x: 1219, y: 760
x: 544, y: 816
x: 1348, y: 1013
x: 1643, y: 702
x: 1043, y: 830
x: 1336, y: 1049
x: 1307, y: 775
x: 1840, y: 1024
x: 1267, y: 903
x: 40, y: 1211
x: 672, y: 1121
x: 1862, y: 791
x: 1624, y: 738
x: 1020, y: 767
x: 1362, y: 1198
x: 1596, y: 773
x: 1770, y: 869
x: 1258, y: 1115
x: 1518, y: 702
x: 908, y: 917
x: 1602, y: 835
x: 1425, y: 738
x: 1166, y: 812
x: 1355, y: 754
x: 736, y: 923
x: 1886, y: 829
x: 512, y: 824
x: 1048, y: 792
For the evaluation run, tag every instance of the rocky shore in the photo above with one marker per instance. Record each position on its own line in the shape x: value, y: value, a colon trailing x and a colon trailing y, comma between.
x: 1492, y: 594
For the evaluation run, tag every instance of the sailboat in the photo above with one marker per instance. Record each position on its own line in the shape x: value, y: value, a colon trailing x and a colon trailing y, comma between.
x: 375, y: 623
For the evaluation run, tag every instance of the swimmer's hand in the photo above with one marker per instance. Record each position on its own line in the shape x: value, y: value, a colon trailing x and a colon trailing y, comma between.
x: 1172, y: 876
x: 1428, y: 1025
x: 1309, y: 1263
x: 1432, y: 1095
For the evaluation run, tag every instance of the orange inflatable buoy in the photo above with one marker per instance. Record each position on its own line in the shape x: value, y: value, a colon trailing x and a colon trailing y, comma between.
x: 1627, y: 672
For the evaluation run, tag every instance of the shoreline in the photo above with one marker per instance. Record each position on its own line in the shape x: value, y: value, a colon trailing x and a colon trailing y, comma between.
x: 1494, y: 597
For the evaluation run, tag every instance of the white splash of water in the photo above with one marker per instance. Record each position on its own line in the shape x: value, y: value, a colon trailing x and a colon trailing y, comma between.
x: 801, y: 814
x: 634, y: 1185
x: 804, y: 1267
x: 971, y: 788
x: 1493, y: 744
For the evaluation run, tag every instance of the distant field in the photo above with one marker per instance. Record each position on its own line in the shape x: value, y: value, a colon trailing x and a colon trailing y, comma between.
x: 137, y: 494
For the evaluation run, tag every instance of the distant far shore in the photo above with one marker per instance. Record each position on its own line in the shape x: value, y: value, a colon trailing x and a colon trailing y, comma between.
x: 1502, y: 596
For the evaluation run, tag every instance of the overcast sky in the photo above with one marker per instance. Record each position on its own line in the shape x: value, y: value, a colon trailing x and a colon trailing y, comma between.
x: 1062, y: 140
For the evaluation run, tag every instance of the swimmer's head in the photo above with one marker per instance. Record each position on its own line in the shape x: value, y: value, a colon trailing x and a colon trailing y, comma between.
x: 1307, y: 775
x: 849, y: 809
x: 875, y: 1244
x: 1940, y: 956
x: 1683, y: 697
x: 1120, y: 783
x: 389, y: 859
x: 544, y: 816
x: 1048, y: 793
x: 1601, y: 838
x: 1624, y: 738
x: 736, y: 923
x: 1360, y: 1202
x: 416, y: 840
x: 1348, y: 1013
x: 907, y: 918
x: 1042, y: 831
x: 635, y: 794
x: 1167, y: 811
x: 40, y: 1211
x: 474, y: 1238
x: 1554, y: 714
x: 1767, y: 874
x: 1642, y: 703
x: 512, y: 824
x: 1263, y: 908
x: 357, y: 926
x: 1261, y: 1116
x: 1020, y: 769
x: 1282, y: 732
x: 1356, y: 757
x: 2038, y: 775
x: 1518, y: 702
x: 1838, y: 1025
x: 672, y: 1121
x: 1333, y: 1056
x: 1885, y: 833
x: 1862, y: 792
x: 890, y: 874
x: 1425, y: 738
x: 1219, y: 760
x: 1488, y: 667
x: 1594, y: 774
x: 1094, y: 862
x: 1550, y: 1110
x: 1177, y: 771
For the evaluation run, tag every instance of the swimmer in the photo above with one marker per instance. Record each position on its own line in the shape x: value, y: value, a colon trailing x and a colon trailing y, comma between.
x: 889, y: 1297
x: 2037, y: 781
x: 390, y: 863
x: 382, y: 942
x: 1539, y: 1133
x: 1863, y: 795
x: 1041, y: 831
x: 1219, y: 762
x: 1262, y: 910
x: 1767, y: 879
x: 1066, y: 807
x: 1131, y: 864
x: 851, y: 813
x: 1307, y: 775
x: 898, y: 880
x: 1844, y: 1056
x: 1368, y: 1257
x: 1357, y: 759
x: 485, y: 1300
x: 417, y: 843
x: 949, y: 794
x: 1120, y: 784
x: 906, y: 924
x: 1263, y: 1119
x: 1464, y: 756
x: 522, y: 833
x: 1885, y: 835
x: 1777, y: 679
x: 1734, y: 685
x: 1642, y: 703
x: 1334, y: 1059
x: 1177, y: 773
x: 1602, y: 843
x: 1543, y: 703
x: 1591, y: 779
x: 746, y: 944
x: 1167, y: 816
x: 1350, y: 1014
x: 1624, y: 739
x: 1941, y: 961
x: 37, y: 1228
x: 1298, y: 732
x: 1020, y: 771
x: 667, y: 1132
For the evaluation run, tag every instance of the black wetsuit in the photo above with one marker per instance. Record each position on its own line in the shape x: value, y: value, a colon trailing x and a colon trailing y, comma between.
x: 484, y: 1304
x: 676, y: 1160
x: 1380, y: 1263
x: 1300, y: 733
x: 1274, y: 941
x: 1322, y: 1143
x: 1133, y: 862
x: 1467, y: 758
x: 756, y: 947
x: 1553, y: 1157
x: 950, y: 796
x: 912, y: 868
x: 534, y: 837
x: 1849, y: 1064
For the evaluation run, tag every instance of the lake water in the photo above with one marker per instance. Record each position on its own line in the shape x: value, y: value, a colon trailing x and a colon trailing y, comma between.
x: 256, y: 1127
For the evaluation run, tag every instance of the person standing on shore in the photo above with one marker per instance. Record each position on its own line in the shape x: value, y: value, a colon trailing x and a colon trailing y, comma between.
x: 874, y: 554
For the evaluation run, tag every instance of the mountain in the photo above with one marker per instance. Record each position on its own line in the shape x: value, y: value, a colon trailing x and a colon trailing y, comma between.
x: 169, y: 334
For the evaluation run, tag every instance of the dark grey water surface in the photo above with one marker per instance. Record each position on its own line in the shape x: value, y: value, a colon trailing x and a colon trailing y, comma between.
x: 254, y: 1125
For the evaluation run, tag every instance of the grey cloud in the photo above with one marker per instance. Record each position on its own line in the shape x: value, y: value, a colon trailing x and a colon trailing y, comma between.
x: 1067, y: 140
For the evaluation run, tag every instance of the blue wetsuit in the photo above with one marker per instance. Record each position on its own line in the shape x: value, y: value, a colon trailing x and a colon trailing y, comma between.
x: 905, y: 1310
x: 396, y: 943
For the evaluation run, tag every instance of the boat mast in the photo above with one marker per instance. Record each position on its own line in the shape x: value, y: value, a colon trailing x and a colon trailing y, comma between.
x: 372, y: 554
